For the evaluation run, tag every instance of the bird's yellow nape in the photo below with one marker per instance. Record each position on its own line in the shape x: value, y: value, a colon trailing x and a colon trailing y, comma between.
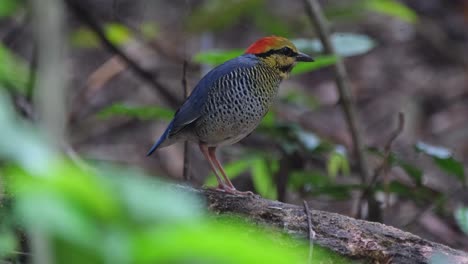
x: 269, y: 43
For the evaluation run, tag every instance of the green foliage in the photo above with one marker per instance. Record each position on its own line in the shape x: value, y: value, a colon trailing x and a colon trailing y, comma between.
x: 403, y: 190
x: 216, y: 57
x: 139, y: 112
x: 319, y: 63
x: 392, y: 8
x: 117, y: 34
x: 461, y: 215
x: 14, y: 72
x: 337, y: 162
x: 262, y: 177
x: 261, y: 167
x: 115, y: 215
x: 354, y: 10
x: 444, y: 159
x: 9, y: 7
x: 413, y: 171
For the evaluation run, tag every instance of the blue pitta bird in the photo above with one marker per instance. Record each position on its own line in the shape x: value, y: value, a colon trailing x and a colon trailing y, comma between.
x: 230, y: 101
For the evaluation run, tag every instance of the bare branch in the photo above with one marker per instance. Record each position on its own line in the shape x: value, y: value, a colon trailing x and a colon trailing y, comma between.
x: 87, y: 18
x: 315, y: 14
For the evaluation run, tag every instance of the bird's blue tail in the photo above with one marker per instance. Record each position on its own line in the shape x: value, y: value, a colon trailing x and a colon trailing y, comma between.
x: 164, y: 136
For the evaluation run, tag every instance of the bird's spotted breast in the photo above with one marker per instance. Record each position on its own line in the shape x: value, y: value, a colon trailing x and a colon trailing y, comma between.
x: 236, y: 104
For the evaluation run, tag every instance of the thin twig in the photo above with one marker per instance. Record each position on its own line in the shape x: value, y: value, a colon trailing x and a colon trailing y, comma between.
x: 88, y: 19
x: 311, y: 231
x: 186, y: 172
x: 315, y: 14
x: 384, y: 166
x: 387, y: 149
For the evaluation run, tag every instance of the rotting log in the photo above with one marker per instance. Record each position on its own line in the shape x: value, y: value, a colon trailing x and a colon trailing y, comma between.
x: 353, y: 238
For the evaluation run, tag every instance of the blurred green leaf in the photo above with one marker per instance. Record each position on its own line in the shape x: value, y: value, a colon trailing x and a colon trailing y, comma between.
x: 84, y: 38
x: 461, y: 215
x: 85, y: 189
x: 8, y: 243
x: 398, y: 188
x: 346, y: 44
x: 111, y: 215
x: 139, y: 112
x: 392, y: 8
x: 414, y: 172
x: 337, y: 162
x: 137, y: 188
x: 216, y: 57
x: 319, y: 63
x: 117, y: 33
x: 417, y: 194
x: 268, y: 120
x: 444, y: 159
x: 14, y: 72
x: 452, y: 167
x: 50, y: 213
x: 9, y: 7
x: 188, y: 243
x: 262, y: 179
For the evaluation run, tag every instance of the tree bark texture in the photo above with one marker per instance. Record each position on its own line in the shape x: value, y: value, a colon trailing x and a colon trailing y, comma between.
x: 356, y: 239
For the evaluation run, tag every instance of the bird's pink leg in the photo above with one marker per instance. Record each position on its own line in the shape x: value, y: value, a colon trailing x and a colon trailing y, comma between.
x: 221, y: 185
x: 212, y: 154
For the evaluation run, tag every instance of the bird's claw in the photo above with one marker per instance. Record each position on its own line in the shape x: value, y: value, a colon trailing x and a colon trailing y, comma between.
x: 231, y: 190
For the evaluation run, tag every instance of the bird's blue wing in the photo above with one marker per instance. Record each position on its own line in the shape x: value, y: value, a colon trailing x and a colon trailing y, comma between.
x: 192, y: 108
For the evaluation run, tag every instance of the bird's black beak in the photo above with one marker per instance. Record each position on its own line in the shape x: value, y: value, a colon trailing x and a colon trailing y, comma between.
x: 303, y: 57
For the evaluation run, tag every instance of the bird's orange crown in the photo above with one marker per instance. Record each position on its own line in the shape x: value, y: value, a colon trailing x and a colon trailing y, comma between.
x: 268, y: 43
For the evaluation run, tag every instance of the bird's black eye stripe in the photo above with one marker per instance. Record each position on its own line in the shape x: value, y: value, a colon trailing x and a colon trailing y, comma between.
x: 287, y: 51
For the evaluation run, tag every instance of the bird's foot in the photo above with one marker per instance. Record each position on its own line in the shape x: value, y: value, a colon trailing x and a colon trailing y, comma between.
x: 231, y: 190
x: 237, y: 192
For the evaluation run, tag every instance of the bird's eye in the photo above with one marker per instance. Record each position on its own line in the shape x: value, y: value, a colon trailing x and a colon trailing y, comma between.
x: 288, y: 52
